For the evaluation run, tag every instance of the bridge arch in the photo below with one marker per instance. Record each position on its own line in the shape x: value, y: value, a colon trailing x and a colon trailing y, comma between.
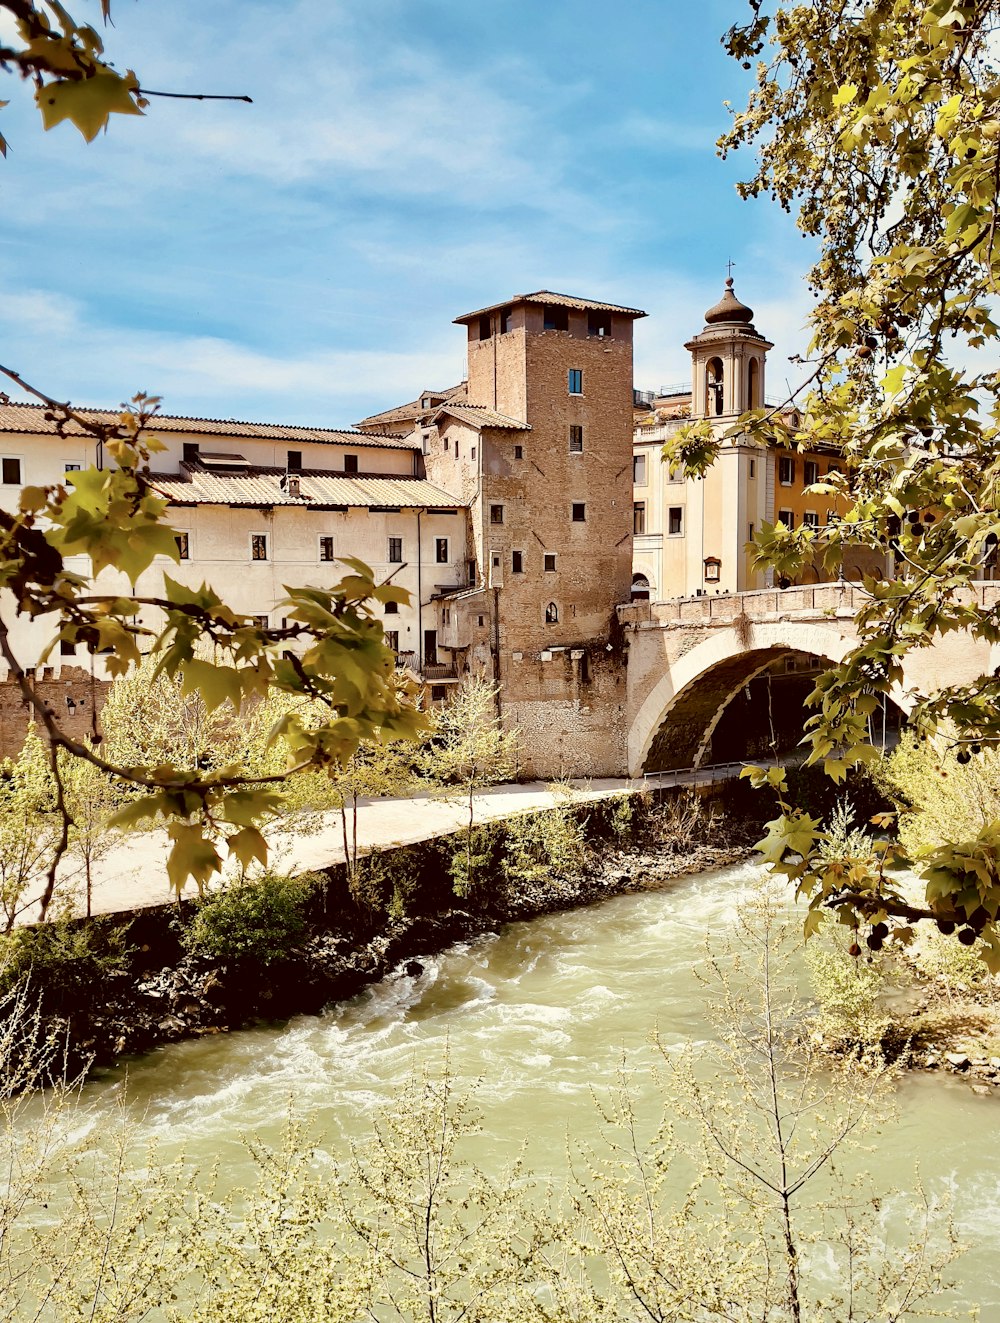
x: 734, y: 664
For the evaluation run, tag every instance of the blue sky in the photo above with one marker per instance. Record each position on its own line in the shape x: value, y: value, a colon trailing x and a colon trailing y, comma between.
x: 404, y: 161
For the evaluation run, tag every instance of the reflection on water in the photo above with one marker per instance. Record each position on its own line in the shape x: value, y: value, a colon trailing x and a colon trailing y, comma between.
x: 539, y: 1016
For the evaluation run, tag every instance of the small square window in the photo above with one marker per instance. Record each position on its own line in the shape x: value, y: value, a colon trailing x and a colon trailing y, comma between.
x: 576, y: 381
x: 392, y: 608
x: 675, y: 520
x: 395, y: 551
x: 579, y: 512
x: 786, y: 470
x: 787, y: 518
x: 67, y: 648
x: 517, y: 562
x: 350, y: 463
x: 639, y: 470
x: 294, y: 461
x: 439, y: 693
x: 576, y: 440
x: 392, y: 639
x: 190, y: 453
x: 519, y: 452
x: 260, y: 621
x: 441, y: 550
x: 810, y: 519
x: 639, y: 517
x: 183, y: 546
x: 496, y: 514
x: 326, y: 548
x: 70, y: 467
x: 258, y: 546
x: 599, y: 323
x: 550, y: 562
x: 11, y: 472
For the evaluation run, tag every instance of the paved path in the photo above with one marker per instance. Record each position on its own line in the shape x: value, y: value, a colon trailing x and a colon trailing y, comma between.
x: 133, y: 874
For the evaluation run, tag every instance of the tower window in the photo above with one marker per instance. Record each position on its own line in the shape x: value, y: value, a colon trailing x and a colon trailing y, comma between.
x: 675, y: 521
x: 786, y: 470
x: 579, y: 512
x: 753, y: 384
x: 485, y: 328
x: 552, y: 614
x: 576, y: 440
x: 350, y: 463
x: 504, y: 320
x: 496, y: 514
x: 599, y: 323
x: 550, y: 562
x: 293, y: 461
x: 555, y: 319
x: 576, y: 381
x: 713, y: 387
x: 441, y: 550
x: 517, y: 562
x: 639, y: 517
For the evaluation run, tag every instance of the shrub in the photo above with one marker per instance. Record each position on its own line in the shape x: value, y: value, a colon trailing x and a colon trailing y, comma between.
x: 544, y: 848
x: 61, y: 961
x: 850, y: 992
x: 259, y: 921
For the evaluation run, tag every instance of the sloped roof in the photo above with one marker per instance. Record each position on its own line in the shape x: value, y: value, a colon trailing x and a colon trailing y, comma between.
x: 479, y: 416
x: 30, y: 418
x: 554, y: 300
x: 404, y: 413
x: 262, y: 487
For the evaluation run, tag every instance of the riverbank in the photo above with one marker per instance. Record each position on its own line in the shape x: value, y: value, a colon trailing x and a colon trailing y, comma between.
x: 120, y: 986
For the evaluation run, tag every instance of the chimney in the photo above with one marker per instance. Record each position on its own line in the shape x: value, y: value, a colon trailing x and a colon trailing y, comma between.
x: 291, y: 484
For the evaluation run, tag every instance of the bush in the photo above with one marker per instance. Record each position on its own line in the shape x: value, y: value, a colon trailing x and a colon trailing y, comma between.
x: 850, y: 992
x: 61, y: 961
x: 259, y: 921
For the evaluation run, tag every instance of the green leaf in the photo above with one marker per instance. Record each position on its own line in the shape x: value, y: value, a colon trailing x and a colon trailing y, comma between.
x: 86, y: 102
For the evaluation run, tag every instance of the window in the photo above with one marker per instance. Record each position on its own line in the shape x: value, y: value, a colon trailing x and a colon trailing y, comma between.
x: 555, y: 319
x: 834, y: 468
x: 753, y: 468
x: 392, y: 639
x: 441, y: 550
x: 470, y: 567
x: 258, y: 546
x: 810, y: 472
x: 576, y: 440
x: 579, y: 512
x: 810, y: 519
x: 787, y: 518
x: 750, y: 532
x: 576, y: 381
x: 474, y: 452
x: 191, y: 455
x: 392, y: 608
x: 786, y: 470
x: 496, y: 514
x: 504, y: 320
x: 183, y: 546
x: 517, y: 562
x: 439, y: 693
x: 294, y: 461
x: 481, y: 621
x: 519, y: 452
x: 350, y: 463
x: 67, y: 648
x: 447, y: 443
x: 11, y: 472
x: 552, y: 614
x: 639, y: 517
x: 485, y: 328
x: 260, y: 621
x: 713, y: 387
x: 753, y: 384
x: 70, y: 467
x: 675, y: 521
x: 550, y: 562
x: 599, y: 323
x: 326, y: 548
x: 395, y: 551
x: 639, y: 470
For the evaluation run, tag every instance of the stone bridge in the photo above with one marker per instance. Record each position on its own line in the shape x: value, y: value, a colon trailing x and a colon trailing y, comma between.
x: 689, y: 658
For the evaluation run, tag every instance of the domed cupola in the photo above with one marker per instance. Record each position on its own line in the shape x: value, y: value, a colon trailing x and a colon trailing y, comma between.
x: 729, y: 309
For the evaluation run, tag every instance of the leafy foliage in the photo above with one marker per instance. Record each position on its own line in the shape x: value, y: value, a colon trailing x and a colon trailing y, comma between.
x: 879, y: 123
x: 258, y: 921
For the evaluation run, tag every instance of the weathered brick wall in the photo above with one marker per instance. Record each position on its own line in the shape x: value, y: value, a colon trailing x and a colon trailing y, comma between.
x: 73, y: 683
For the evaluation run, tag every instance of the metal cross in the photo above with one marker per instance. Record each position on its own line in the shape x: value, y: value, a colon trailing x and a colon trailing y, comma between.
x: 730, y: 264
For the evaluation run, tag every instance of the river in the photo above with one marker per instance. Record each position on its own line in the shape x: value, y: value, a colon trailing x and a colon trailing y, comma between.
x: 538, y: 1015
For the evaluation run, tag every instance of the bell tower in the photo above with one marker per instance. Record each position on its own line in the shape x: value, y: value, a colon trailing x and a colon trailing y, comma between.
x: 727, y: 361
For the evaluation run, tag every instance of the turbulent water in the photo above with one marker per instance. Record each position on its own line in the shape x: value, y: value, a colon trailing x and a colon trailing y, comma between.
x: 539, y: 1015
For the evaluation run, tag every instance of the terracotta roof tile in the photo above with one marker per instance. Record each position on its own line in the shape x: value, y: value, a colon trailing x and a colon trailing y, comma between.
x: 30, y: 418
x: 554, y: 300
x: 479, y: 416
x: 262, y: 487
x: 404, y: 413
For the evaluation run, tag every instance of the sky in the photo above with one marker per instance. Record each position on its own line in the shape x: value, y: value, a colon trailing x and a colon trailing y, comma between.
x: 403, y: 162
